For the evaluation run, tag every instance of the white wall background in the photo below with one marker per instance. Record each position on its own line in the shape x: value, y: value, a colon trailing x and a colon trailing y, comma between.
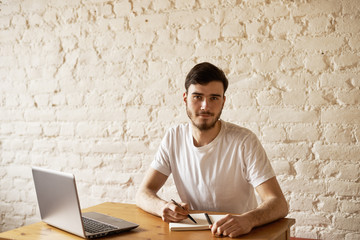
x: 90, y: 87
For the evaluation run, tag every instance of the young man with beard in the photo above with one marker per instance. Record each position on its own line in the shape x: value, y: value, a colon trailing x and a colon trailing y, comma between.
x: 216, y: 165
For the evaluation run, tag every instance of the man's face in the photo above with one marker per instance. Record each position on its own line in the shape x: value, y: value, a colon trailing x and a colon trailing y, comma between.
x: 204, y: 104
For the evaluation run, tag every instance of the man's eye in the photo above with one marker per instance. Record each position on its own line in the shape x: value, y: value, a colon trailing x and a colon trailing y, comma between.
x: 197, y: 97
x: 214, y: 98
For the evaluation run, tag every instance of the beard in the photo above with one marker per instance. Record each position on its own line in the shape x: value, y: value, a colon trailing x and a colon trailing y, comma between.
x: 204, y: 125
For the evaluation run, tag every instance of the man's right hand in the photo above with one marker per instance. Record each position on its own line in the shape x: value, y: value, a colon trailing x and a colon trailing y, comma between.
x: 172, y: 213
x: 148, y: 200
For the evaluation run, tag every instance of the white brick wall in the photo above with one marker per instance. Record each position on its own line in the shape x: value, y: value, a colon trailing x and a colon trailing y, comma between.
x: 90, y: 87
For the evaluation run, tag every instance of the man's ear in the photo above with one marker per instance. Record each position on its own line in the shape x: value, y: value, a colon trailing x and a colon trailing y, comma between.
x: 185, y: 97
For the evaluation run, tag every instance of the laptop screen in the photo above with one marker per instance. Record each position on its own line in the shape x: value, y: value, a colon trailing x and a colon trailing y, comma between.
x: 58, y: 200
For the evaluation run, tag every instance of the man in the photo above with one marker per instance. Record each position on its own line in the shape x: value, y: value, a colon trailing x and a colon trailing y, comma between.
x: 215, y: 164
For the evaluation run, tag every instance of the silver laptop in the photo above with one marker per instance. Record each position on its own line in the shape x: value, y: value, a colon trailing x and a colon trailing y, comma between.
x: 59, y: 206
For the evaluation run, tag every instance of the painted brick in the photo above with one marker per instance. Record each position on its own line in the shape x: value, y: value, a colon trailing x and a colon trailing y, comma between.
x: 290, y: 115
x: 348, y: 206
x: 294, y: 98
x: 306, y: 232
x: 7, y: 61
x: 348, y: 24
x: 136, y: 129
x: 282, y: 28
x: 320, y: 24
x: 91, y: 87
x: 338, y: 80
x: 317, y: 7
x: 351, y: 97
x: 269, y: 98
x: 187, y: 35
x: 186, y: 4
x: 241, y: 99
x: 318, y: 43
x: 245, y: 115
x: 327, y: 204
x: 352, y: 236
x: 281, y: 167
x: 149, y: 22
x: 336, y: 152
x: 207, y: 50
x: 343, y: 188
x: 44, y: 145
x: 294, y: 82
x: 17, y: 144
x: 337, y: 134
x: 277, y: 46
x: 67, y: 129
x: 108, y: 147
x: 350, y: 7
x: 354, y: 42
x: 316, y: 63
x: 71, y: 115
x: 233, y: 30
x: 266, y: 63
x: 50, y: 130
x: 252, y: 82
x: 137, y: 147
x: 350, y: 116
x: 321, y: 98
x: 16, y: 171
x: 188, y: 19
x: 85, y: 129
x: 140, y: 6
x: 143, y: 38
x: 241, y: 65
x: 11, y: 7
x: 307, y: 186
x: 43, y: 86
x: 347, y: 223
x: 160, y: 5
x: 290, y: 151
x: 306, y: 169
x: 312, y: 219
x: 301, y: 132
x: 345, y: 61
x: 301, y: 203
x: 273, y: 10
x: 273, y: 134
x: 209, y: 32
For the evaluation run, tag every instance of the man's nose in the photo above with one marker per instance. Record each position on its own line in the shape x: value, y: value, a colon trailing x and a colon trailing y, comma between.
x: 204, y: 104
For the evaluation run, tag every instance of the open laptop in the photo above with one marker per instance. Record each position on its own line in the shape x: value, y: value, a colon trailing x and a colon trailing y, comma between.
x: 59, y: 206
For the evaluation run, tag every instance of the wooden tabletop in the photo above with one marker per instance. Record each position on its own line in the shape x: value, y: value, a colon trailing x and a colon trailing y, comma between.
x: 151, y: 227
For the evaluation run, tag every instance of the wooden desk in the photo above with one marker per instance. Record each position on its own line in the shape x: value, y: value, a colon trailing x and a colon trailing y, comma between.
x: 151, y: 227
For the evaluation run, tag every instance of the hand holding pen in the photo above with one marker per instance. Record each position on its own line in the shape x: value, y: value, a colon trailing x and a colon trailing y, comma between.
x: 184, y: 209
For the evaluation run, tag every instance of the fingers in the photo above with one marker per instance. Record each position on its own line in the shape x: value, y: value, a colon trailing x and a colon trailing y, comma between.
x: 173, y: 213
x: 217, y: 227
x: 185, y: 206
x: 183, y: 209
x: 230, y: 226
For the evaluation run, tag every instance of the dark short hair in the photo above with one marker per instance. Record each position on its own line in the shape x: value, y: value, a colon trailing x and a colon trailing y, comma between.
x: 203, y: 73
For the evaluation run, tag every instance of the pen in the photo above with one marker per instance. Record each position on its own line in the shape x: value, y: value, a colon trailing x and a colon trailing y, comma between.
x: 208, y: 218
x: 183, y: 208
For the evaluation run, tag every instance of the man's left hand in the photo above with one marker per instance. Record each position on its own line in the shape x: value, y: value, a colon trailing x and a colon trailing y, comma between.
x: 231, y: 226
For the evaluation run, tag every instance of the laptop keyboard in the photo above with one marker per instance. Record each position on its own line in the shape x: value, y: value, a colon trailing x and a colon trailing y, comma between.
x: 93, y: 226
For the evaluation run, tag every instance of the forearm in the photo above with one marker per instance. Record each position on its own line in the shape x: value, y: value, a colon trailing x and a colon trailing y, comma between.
x: 150, y: 201
x: 270, y: 210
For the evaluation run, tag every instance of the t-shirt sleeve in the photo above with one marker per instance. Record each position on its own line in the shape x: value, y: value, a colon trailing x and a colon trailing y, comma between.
x: 258, y: 167
x: 161, y: 160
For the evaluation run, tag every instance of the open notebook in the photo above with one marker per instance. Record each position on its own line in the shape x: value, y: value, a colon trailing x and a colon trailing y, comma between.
x: 187, y: 224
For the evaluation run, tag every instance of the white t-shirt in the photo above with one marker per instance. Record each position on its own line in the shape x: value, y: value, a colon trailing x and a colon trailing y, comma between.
x: 219, y: 176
